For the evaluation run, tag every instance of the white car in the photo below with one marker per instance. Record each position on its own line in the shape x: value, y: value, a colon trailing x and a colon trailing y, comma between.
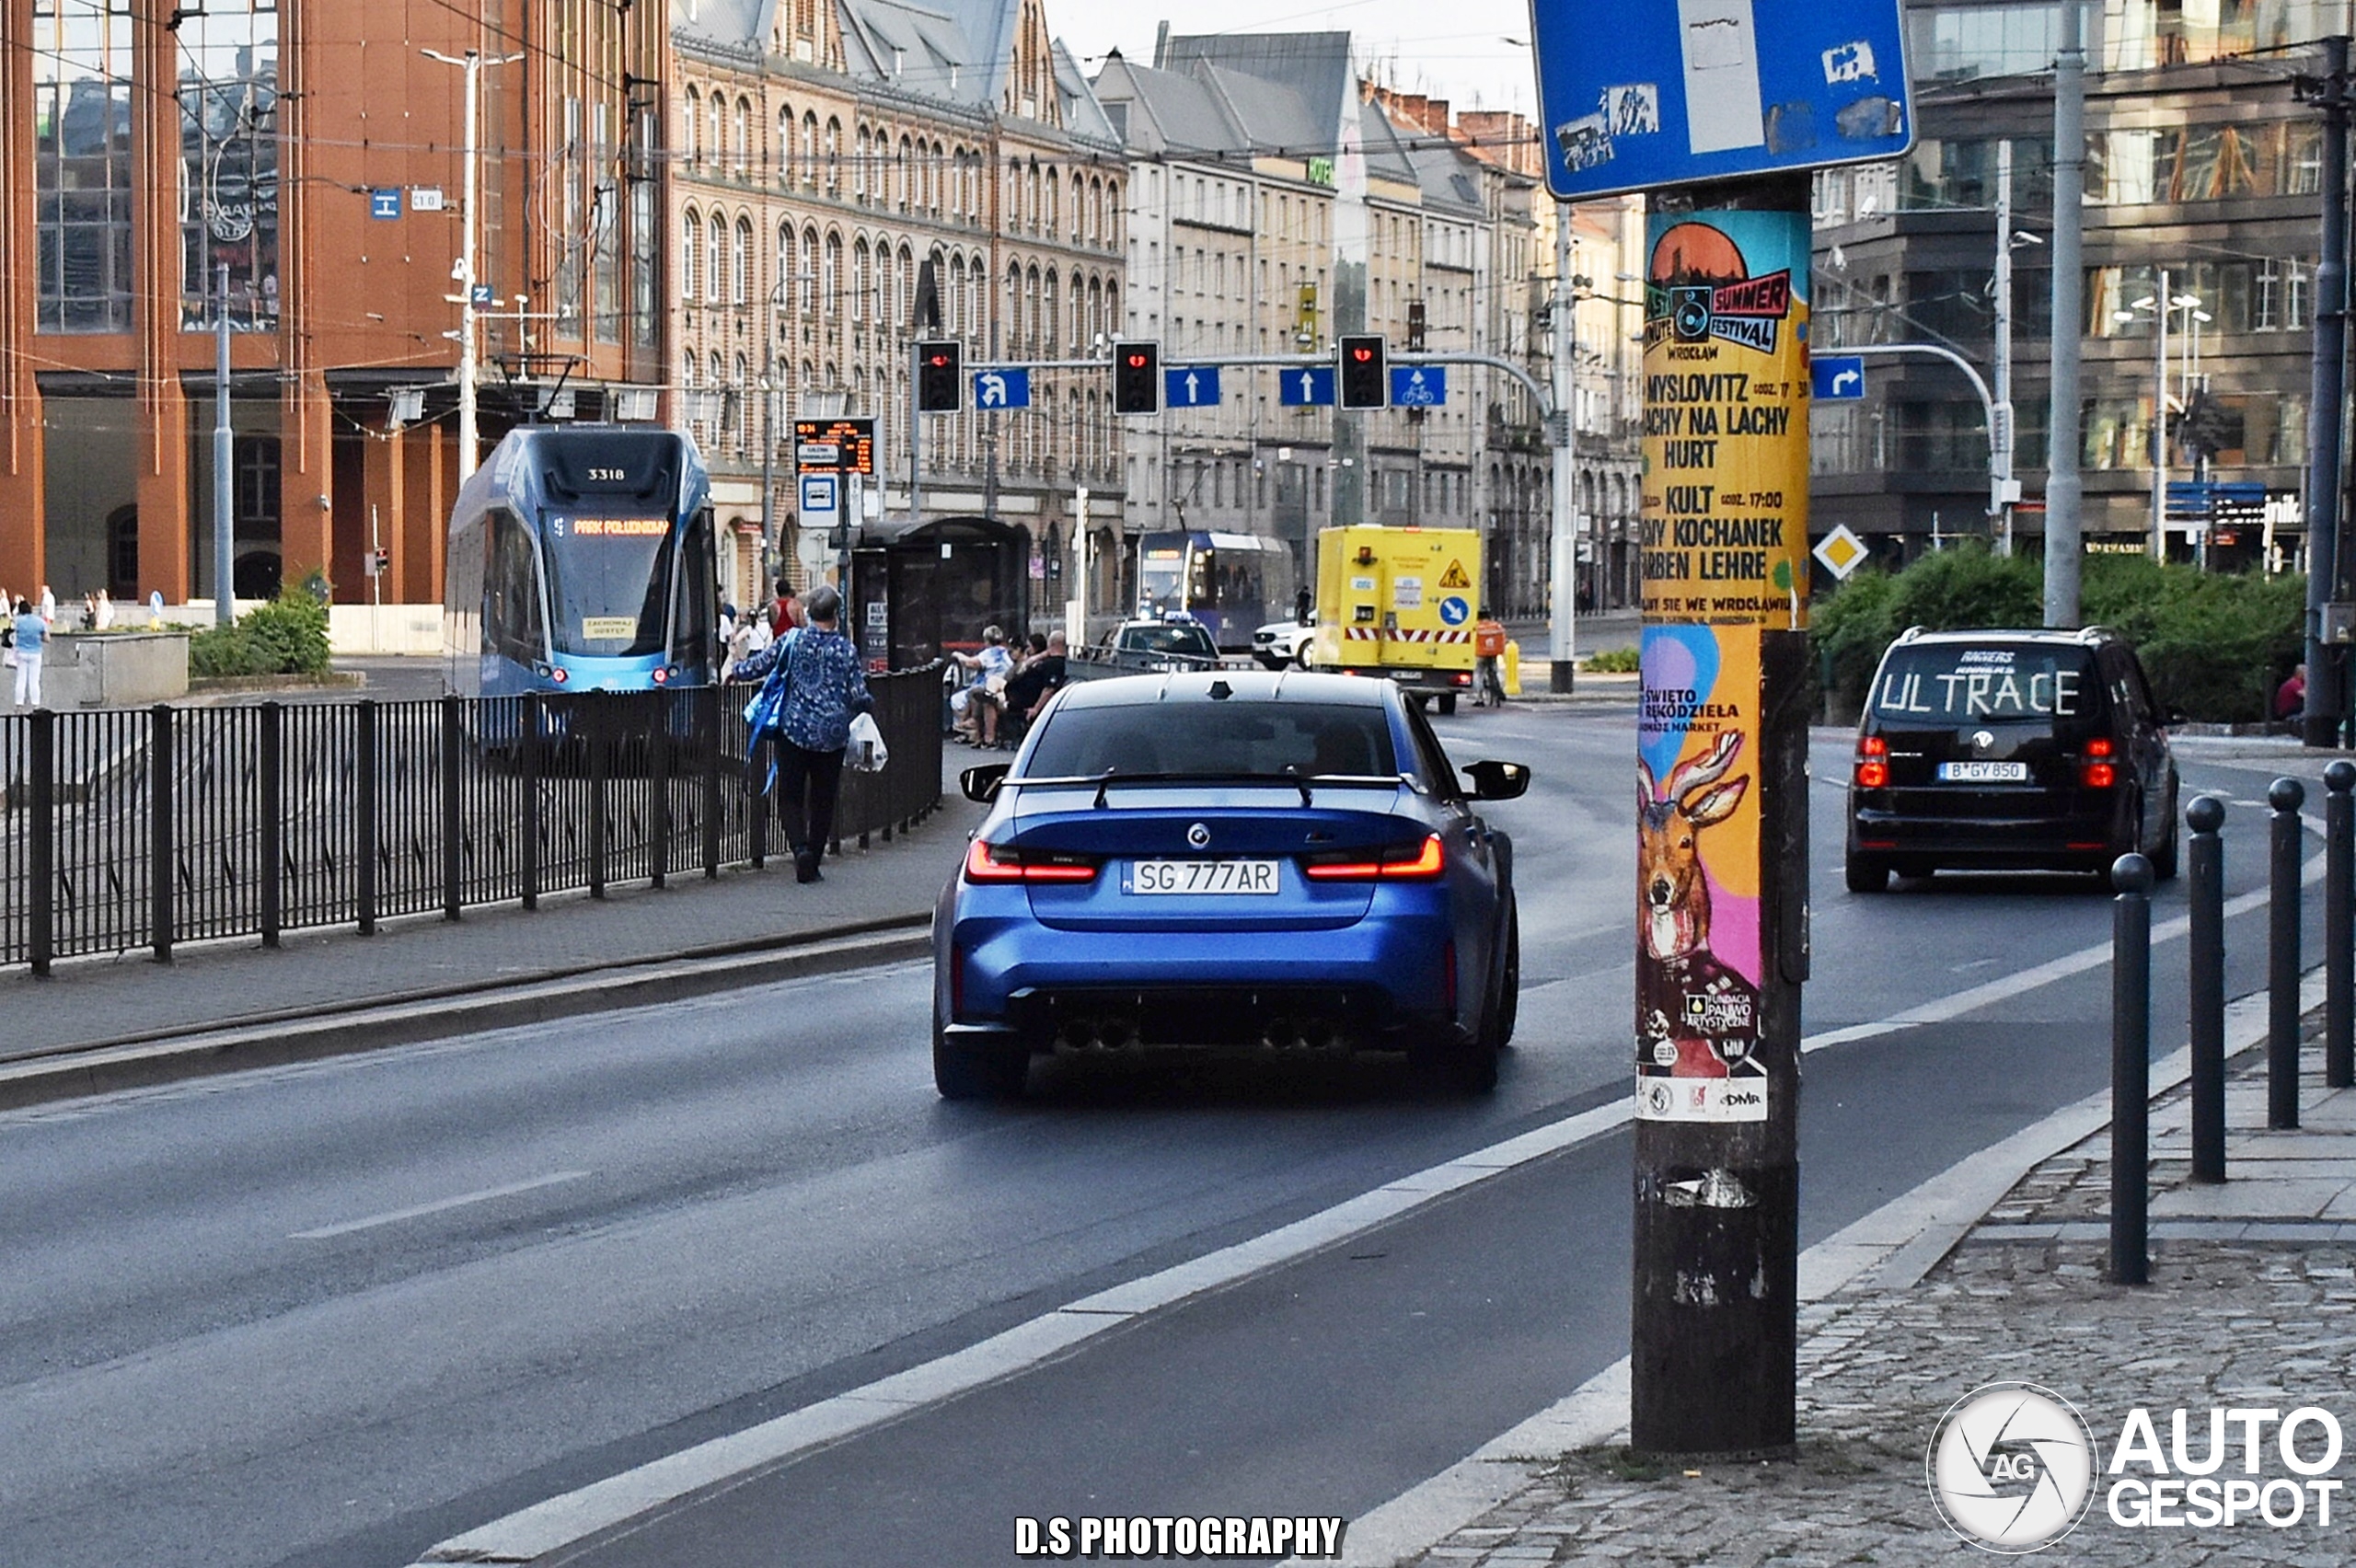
x: 1283, y: 642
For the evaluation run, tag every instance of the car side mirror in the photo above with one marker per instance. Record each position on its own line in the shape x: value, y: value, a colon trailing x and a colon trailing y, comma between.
x: 1497, y: 780
x: 980, y: 784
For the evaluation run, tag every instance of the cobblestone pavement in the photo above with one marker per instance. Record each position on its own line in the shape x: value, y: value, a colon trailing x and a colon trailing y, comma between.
x: 2252, y: 1289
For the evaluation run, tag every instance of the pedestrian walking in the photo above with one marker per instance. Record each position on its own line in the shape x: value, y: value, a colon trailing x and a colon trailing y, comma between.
x: 824, y: 685
x: 1488, y: 647
x: 785, y: 611
x: 31, y: 634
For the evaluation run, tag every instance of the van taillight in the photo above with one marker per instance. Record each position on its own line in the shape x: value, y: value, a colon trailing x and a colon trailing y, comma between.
x: 2100, y: 774
x: 1872, y: 762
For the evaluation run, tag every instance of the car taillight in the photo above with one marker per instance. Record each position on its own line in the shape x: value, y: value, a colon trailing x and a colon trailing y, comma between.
x: 988, y: 862
x: 1399, y: 862
x: 1872, y: 762
x: 2100, y: 773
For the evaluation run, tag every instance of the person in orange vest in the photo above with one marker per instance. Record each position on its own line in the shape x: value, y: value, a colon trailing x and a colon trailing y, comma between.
x: 1488, y: 647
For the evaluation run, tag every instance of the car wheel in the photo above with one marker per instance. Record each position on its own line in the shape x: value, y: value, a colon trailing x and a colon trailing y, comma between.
x: 1300, y: 656
x: 978, y: 1072
x: 1505, y: 1004
x: 1866, y: 874
x: 1447, y: 703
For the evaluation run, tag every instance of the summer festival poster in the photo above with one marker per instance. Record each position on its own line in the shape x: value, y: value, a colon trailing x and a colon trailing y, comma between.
x: 1698, y: 949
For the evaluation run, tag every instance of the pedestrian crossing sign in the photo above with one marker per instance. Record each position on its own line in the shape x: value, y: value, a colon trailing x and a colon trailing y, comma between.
x: 1454, y: 576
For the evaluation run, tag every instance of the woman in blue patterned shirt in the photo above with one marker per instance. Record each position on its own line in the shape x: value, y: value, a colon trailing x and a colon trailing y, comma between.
x: 825, y: 687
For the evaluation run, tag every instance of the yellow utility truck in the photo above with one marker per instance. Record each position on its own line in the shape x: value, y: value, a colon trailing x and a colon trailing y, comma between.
x: 1398, y: 603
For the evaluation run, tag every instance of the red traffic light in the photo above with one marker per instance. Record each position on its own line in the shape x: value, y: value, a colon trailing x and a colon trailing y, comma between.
x: 1136, y: 362
x: 1362, y: 355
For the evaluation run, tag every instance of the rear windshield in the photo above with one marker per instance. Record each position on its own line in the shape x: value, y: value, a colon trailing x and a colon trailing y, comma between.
x: 1961, y: 685
x: 1228, y: 737
x: 1168, y: 638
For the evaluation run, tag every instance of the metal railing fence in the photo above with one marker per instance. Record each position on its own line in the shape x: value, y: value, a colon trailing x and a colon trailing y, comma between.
x: 123, y: 829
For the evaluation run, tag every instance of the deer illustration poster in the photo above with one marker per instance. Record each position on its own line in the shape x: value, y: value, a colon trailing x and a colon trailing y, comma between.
x: 1698, y: 950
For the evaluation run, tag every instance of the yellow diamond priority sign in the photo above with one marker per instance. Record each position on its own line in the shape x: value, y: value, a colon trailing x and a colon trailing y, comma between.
x: 1842, y: 551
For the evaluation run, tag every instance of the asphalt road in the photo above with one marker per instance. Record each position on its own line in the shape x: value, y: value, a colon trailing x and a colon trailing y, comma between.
x: 330, y: 1315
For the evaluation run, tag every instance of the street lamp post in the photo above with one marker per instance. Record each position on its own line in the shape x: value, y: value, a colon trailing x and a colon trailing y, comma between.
x: 469, y: 436
x: 2161, y: 305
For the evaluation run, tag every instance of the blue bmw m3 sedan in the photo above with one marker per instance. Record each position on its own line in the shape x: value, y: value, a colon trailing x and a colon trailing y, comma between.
x: 1233, y: 860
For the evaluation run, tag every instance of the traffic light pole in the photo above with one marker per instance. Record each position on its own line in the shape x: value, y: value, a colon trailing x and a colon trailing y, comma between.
x: 1722, y: 823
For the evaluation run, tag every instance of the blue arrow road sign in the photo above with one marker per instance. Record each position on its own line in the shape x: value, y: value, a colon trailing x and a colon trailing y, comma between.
x: 1310, y: 386
x: 1001, y: 389
x: 1634, y: 97
x: 1190, y: 386
x: 1418, y: 386
x: 385, y: 202
x: 1836, y: 378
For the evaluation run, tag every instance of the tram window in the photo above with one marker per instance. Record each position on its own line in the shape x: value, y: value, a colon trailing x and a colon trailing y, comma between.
x: 611, y: 582
x: 691, y: 634
x: 510, y: 593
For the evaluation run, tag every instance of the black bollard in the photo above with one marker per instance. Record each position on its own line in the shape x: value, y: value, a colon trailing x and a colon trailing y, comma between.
x: 2285, y: 795
x: 2340, y: 925
x: 2205, y: 876
x: 2130, y: 1069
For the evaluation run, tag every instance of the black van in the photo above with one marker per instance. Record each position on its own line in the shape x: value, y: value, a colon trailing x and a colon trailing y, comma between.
x: 2009, y: 750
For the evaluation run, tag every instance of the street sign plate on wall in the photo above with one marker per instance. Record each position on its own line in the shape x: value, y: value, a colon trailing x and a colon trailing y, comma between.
x: 1638, y: 96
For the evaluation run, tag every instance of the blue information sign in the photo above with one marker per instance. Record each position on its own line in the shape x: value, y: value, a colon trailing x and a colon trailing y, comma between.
x: 1310, y: 386
x: 1836, y: 378
x: 1001, y: 389
x: 385, y: 202
x: 1454, y: 610
x: 1634, y: 96
x: 1418, y: 386
x: 1190, y: 387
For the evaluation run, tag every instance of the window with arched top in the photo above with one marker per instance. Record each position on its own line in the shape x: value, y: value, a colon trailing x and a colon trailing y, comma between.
x: 809, y: 147
x: 743, y: 147
x: 690, y: 125
x: 784, y: 144
x: 830, y: 277
x: 953, y: 300
x: 904, y: 306
x: 860, y: 282
x: 834, y: 157
x: 807, y: 284
x: 901, y: 171
x: 1051, y: 316
x: 784, y: 264
x: 716, y: 128
x: 690, y: 255
x: 715, y: 260
x: 740, y: 287
x: 1011, y: 312
x: 716, y: 397
x: 740, y: 387
x: 1113, y: 229
x: 858, y: 165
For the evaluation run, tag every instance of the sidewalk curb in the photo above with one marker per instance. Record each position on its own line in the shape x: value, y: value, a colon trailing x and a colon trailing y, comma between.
x: 432, y: 1015
x: 1896, y: 1245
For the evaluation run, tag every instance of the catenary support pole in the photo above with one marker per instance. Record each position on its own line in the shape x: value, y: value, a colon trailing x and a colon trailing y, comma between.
x: 2064, y: 489
x: 1721, y: 777
x: 224, y: 545
x: 1562, y: 632
x: 2327, y: 698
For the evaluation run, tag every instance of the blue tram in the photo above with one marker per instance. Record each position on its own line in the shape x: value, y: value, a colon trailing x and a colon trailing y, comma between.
x: 1222, y: 579
x: 581, y: 559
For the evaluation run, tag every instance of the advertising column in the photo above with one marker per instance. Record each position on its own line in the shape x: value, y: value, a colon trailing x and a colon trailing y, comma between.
x: 1721, y: 837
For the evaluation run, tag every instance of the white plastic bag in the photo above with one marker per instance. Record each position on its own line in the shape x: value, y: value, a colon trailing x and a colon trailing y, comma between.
x: 866, y: 751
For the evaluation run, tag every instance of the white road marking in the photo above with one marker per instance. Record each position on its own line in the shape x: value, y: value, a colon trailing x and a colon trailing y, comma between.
x: 530, y: 1534
x: 420, y: 1211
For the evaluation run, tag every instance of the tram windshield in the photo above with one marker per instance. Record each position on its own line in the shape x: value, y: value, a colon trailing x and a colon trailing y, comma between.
x: 609, y: 583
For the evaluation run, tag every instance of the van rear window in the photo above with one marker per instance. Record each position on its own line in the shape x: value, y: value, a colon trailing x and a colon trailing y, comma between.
x: 1965, y: 686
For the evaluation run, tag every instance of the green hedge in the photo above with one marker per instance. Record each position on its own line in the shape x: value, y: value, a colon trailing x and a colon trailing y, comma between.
x: 286, y: 637
x: 2215, y: 645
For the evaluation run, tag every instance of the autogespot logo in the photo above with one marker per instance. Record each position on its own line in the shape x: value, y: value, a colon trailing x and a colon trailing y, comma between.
x: 2012, y: 1467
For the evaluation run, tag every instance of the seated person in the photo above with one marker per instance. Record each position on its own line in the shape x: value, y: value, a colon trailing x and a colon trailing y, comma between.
x: 977, y: 706
x: 1039, y: 678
